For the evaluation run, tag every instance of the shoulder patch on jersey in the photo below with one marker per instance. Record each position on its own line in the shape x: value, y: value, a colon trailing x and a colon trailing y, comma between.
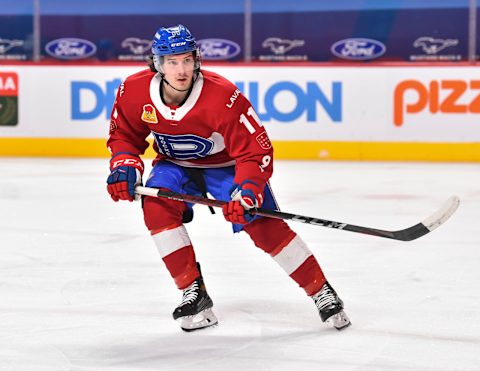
x: 149, y: 114
x: 263, y: 140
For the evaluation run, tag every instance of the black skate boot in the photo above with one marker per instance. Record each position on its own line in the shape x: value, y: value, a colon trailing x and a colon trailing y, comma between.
x: 195, y: 310
x: 330, y: 307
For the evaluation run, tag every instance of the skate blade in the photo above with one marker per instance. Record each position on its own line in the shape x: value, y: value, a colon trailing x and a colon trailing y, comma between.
x: 198, y: 321
x: 339, y: 321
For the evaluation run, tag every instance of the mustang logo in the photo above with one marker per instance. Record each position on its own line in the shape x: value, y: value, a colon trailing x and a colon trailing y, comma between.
x: 281, y: 46
x: 432, y: 46
x: 6, y: 45
x: 136, y: 45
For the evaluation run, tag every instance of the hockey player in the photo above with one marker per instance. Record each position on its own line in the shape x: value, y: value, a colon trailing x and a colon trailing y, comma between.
x: 208, y: 139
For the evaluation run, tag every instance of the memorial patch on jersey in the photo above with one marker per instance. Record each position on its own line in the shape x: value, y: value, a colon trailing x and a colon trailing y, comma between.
x: 8, y: 98
x: 264, y: 141
x: 149, y: 114
x: 183, y: 147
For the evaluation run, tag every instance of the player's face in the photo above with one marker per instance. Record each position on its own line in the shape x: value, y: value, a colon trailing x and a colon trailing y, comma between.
x: 179, y: 70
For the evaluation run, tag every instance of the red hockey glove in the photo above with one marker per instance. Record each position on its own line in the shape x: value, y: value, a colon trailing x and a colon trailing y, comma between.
x: 244, y: 197
x: 126, y: 172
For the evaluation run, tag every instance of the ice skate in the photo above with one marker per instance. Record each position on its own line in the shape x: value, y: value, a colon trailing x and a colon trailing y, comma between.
x: 195, y: 310
x: 330, y: 307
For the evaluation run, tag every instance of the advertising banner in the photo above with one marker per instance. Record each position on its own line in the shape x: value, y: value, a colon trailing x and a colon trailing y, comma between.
x: 362, y: 36
x: 316, y: 31
x: 324, y: 36
x: 217, y: 34
x: 8, y: 98
x: 309, y: 103
x: 16, y: 34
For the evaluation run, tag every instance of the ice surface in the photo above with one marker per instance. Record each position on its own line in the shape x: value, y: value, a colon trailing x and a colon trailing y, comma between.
x: 82, y: 286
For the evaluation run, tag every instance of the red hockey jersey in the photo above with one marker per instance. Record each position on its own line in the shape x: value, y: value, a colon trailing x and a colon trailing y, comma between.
x: 215, y: 127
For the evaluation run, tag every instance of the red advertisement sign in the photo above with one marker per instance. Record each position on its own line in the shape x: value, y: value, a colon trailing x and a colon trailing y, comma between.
x: 8, y: 98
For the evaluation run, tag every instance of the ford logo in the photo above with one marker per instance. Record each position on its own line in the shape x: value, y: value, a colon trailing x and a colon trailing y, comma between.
x: 70, y: 48
x: 358, y: 49
x: 217, y: 49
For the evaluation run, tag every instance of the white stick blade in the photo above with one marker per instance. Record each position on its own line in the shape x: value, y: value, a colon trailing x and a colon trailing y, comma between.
x: 443, y: 214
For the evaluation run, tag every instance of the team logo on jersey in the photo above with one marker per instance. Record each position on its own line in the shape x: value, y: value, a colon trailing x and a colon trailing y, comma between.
x: 184, y: 147
x: 149, y: 114
x: 264, y: 141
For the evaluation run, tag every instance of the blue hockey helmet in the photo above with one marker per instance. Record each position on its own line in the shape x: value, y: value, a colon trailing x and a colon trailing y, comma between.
x: 173, y: 40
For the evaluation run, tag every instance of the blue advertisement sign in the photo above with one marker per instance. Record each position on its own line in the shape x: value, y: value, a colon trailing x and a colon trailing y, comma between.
x: 367, y: 35
x: 218, y: 35
x: 16, y: 38
x: 347, y: 31
x: 309, y: 99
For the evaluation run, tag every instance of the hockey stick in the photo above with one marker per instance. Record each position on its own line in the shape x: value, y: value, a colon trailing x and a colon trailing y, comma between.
x: 407, y: 234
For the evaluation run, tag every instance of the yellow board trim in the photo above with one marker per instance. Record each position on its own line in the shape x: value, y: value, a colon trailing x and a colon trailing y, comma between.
x: 284, y: 150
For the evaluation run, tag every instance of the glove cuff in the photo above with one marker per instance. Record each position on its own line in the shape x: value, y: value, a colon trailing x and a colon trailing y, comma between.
x: 125, y: 159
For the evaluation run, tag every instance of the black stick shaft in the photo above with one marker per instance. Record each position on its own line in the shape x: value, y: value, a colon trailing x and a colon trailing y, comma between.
x: 407, y: 234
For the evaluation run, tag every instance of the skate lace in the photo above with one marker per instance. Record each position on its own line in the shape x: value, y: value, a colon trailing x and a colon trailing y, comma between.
x: 190, y: 294
x: 324, y: 298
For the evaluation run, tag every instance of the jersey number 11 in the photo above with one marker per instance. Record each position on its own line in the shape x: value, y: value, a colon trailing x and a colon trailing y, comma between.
x: 245, y: 121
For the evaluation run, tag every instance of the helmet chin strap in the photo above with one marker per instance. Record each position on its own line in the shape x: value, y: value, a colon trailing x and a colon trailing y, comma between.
x: 173, y: 87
